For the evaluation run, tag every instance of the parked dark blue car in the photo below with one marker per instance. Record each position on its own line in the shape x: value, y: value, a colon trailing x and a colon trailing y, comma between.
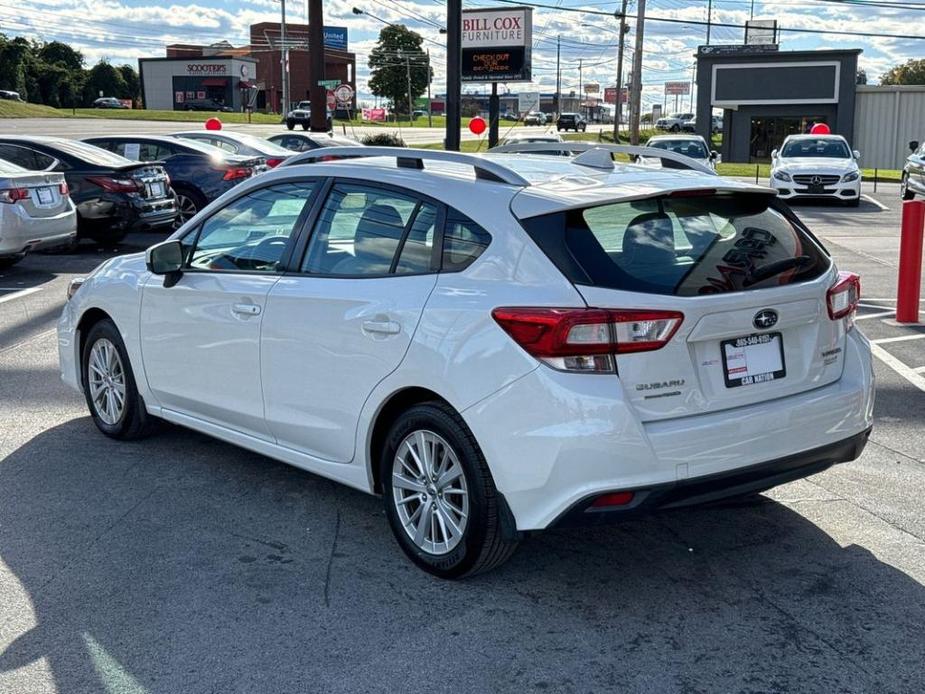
x: 198, y: 172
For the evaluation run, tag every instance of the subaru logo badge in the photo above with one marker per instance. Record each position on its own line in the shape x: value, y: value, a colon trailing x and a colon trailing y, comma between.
x: 765, y: 319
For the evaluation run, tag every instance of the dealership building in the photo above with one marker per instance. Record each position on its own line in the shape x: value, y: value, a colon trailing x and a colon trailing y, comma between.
x: 247, y: 75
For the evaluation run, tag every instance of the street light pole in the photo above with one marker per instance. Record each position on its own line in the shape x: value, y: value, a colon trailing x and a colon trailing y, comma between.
x: 317, y: 92
x: 453, y: 73
x: 284, y: 59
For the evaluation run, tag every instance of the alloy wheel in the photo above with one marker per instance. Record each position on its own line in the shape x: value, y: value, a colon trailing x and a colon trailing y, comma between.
x: 430, y: 492
x: 106, y: 379
x: 186, y: 209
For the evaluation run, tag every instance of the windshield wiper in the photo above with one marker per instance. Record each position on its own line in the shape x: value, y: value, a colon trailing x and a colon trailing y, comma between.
x: 763, y: 272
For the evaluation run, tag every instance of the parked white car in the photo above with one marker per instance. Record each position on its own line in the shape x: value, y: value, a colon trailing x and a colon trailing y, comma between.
x: 495, y: 344
x: 36, y: 212
x: 692, y: 146
x: 816, y: 166
x: 674, y: 122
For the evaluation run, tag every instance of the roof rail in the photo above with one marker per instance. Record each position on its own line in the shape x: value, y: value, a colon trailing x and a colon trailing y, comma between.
x: 484, y: 167
x: 576, y: 147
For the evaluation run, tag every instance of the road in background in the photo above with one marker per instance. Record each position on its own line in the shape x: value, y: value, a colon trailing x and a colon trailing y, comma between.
x: 182, y: 564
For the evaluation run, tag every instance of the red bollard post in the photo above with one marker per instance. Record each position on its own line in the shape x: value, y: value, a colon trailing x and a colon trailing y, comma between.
x: 910, y: 262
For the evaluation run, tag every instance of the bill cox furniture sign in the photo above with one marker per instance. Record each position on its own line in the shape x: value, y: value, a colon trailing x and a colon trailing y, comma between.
x: 496, y: 44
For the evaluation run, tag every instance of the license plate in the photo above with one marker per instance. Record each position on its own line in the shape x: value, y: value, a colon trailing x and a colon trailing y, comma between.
x: 45, y: 196
x: 157, y: 190
x: 753, y: 359
x: 816, y: 189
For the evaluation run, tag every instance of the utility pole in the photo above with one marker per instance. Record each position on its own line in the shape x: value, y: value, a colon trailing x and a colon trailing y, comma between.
x: 494, y: 115
x: 636, y: 99
x: 317, y: 93
x: 580, y: 85
x: 709, y: 19
x: 410, y: 102
x: 558, y: 78
x: 284, y: 60
x: 618, y: 108
x: 453, y: 72
x: 430, y: 74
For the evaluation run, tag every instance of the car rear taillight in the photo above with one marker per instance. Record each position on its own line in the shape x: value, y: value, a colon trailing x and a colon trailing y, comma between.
x: 613, y: 499
x: 586, y: 339
x: 117, y: 185
x: 233, y: 173
x: 273, y: 163
x: 843, y: 296
x: 11, y: 195
x: 63, y: 189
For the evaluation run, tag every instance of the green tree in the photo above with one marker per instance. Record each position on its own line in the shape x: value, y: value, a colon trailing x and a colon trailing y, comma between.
x: 132, y: 83
x: 104, y: 78
x: 910, y: 72
x: 861, y: 77
x: 397, y: 53
x: 14, y: 55
x: 57, y: 53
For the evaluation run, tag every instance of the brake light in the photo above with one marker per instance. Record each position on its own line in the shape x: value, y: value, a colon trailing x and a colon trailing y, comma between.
x: 843, y: 296
x: 273, y: 163
x: 117, y: 185
x: 233, y: 173
x: 586, y: 339
x: 63, y: 189
x: 11, y: 195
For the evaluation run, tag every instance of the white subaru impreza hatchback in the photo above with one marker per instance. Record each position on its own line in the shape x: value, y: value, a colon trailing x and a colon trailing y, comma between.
x: 495, y: 344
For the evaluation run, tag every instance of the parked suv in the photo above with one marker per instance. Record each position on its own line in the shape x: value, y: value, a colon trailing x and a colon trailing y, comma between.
x: 673, y: 123
x: 489, y: 351
x: 302, y: 115
x: 571, y: 121
x: 535, y: 118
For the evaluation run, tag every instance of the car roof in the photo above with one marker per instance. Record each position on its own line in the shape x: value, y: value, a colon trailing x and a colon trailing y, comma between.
x: 554, y: 183
x: 679, y: 136
x: 809, y: 136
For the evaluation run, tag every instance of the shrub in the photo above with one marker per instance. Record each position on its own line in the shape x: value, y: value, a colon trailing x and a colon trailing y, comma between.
x: 383, y: 140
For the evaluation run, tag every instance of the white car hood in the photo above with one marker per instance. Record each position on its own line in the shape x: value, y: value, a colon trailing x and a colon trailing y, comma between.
x: 815, y: 165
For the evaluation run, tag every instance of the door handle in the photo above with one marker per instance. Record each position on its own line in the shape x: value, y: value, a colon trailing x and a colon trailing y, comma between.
x: 385, y: 327
x: 246, y: 309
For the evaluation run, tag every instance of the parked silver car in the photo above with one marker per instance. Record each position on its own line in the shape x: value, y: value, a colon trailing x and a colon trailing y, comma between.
x: 35, y: 212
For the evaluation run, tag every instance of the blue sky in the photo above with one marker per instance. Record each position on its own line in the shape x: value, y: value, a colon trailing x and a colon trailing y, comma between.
x: 124, y: 30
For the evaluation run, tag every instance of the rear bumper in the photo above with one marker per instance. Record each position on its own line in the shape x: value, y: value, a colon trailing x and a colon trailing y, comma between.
x: 704, y: 490
x: 21, y: 234
x: 553, y: 440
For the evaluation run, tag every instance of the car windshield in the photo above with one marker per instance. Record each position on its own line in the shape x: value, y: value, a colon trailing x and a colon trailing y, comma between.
x: 90, y: 153
x: 689, y: 148
x: 8, y: 167
x: 830, y: 149
x: 688, y: 246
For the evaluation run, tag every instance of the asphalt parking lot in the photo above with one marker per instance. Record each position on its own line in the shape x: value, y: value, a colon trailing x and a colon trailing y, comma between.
x: 182, y: 564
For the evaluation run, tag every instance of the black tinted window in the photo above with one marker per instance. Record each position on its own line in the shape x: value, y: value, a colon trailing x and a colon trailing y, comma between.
x: 25, y: 157
x: 463, y: 242
x: 418, y: 249
x: 686, y: 246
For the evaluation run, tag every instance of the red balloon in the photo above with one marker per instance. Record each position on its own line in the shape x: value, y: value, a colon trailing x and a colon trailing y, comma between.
x: 477, y: 125
x: 213, y: 124
x: 820, y: 129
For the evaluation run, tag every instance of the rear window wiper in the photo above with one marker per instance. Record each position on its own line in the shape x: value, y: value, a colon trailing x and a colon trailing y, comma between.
x: 763, y: 272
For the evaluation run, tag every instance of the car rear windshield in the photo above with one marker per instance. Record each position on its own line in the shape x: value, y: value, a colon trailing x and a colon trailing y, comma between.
x: 689, y: 148
x: 90, y: 153
x: 684, y: 246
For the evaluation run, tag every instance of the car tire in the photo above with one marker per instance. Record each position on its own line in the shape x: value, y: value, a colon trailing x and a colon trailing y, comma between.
x: 189, y: 202
x: 290, y: 125
x: 904, y: 191
x: 675, y: 128
x: 480, y: 543
x: 107, y: 376
x: 8, y: 261
x: 306, y: 126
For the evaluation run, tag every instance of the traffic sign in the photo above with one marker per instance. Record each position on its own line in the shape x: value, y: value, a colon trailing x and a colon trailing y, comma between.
x: 328, y: 84
x: 344, y: 94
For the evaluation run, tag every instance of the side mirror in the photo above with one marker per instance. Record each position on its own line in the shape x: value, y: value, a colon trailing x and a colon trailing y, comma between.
x: 913, y: 145
x: 166, y: 258
x: 857, y: 155
x: 774, y: 154
x: 714, y: 155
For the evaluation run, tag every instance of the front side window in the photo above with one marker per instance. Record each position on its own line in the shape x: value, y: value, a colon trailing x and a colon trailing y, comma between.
x: 360, y: 230
x: 687, y: 246
x: 253, y: 231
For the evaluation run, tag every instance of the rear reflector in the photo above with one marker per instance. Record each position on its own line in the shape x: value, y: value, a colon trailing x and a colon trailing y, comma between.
x: 273, y: 163
x: 613, y: 499
x: 63, y: 189
x: 233, y: 173
x: 585, y: 339
x: 11, y: 195
x: 843, y: 297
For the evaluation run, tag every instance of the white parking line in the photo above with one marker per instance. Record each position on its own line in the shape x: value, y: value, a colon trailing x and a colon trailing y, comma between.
x: 18, y: 293
x: 892, y: 301
x: 902, y: 338
x: 875, y: 202
x: 875, y: 315
x: 906, y: 372
x: 919, y: 370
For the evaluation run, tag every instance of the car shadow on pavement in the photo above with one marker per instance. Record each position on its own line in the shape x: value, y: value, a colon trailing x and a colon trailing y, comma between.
x: 182, y: 564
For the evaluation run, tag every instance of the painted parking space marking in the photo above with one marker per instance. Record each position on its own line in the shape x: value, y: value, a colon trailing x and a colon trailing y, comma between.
x: 17, y: 293
x: 907, y: 372
x: 901, y: 338
x: 881, y: 314
x: 876, y: 203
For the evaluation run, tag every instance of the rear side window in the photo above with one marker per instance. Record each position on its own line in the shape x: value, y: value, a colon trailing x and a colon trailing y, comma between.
x: 25, y: 157
x: 463, y: 242
x: 684, y: 246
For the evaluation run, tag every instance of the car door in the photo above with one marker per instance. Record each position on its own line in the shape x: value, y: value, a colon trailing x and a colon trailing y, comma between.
x: 200, y: 336
x: 336, y: 328
x: 916, y: 163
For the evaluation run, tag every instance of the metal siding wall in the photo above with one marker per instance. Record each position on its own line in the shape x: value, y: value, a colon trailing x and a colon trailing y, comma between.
x: 885, y: 120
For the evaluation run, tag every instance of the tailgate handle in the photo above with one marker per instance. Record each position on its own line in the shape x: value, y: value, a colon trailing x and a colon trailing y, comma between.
x: 246, y: 309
